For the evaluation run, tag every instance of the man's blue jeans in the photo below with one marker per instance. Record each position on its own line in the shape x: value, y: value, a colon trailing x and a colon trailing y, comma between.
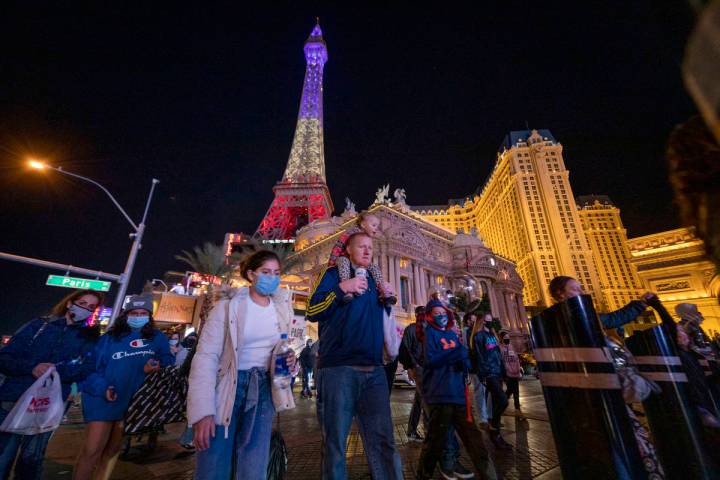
x: 29, y: 463
x: 244, y: 453
x: 345, y: 393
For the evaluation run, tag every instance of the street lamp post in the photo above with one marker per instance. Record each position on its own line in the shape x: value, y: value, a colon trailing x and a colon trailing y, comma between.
x: 137, y: 235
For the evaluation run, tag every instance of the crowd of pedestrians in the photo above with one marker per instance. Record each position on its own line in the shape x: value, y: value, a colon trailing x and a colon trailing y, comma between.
x: 238, y: 372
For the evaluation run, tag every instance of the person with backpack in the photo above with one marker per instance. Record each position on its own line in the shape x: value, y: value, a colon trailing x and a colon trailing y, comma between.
x: 491, y: 370
x: 63, y: 341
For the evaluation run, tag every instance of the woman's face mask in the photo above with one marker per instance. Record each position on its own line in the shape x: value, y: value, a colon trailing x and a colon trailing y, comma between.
x: 79, y: 314
x: 138, y: 322
x: 266, y: 284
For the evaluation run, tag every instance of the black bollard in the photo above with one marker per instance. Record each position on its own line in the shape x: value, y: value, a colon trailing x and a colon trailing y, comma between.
x: 593, y: 433
x: 675, y: 426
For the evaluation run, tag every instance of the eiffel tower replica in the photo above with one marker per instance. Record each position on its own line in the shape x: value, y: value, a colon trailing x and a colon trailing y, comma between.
x: 302, y: 196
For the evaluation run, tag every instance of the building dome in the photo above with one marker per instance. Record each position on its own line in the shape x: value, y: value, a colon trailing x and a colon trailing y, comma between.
x: 467, y: 240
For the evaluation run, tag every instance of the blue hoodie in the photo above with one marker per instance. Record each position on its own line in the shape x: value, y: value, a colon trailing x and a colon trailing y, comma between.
x: 445, y: 364
x: 70, y: 347
x: 120, y: 363
x: 351, y: 334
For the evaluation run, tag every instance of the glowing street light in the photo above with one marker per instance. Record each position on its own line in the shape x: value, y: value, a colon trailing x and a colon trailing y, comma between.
x: 137, y: 235
x: 36, y: 165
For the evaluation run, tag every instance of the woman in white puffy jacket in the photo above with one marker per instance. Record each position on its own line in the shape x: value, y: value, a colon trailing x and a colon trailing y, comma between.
x: 231, y: 400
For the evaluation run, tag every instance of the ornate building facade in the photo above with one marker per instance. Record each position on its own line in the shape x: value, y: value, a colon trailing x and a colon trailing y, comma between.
x: 526, y: 212
x: 674, y: 265
x: 417, y: 257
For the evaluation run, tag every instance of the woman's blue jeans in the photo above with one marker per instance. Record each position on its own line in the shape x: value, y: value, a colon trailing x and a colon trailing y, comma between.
x: 244, y: 452
x: 27, y: 452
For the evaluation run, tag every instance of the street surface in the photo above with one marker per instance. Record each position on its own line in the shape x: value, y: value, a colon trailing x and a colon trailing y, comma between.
x: 532, y: 458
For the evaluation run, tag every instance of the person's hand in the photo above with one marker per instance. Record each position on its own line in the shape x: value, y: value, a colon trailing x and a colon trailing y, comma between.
x: 648, y: 297
x: 354, y: 285
x: 110, y: 394
x: 203, y: 431
x: 41, y: 368
x: 291, y: 359
x: 387, y: 289
x: 152, y: 365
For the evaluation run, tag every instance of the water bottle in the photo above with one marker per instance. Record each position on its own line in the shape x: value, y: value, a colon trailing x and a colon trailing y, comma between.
x: 282, y: 377
x: 361, y: 272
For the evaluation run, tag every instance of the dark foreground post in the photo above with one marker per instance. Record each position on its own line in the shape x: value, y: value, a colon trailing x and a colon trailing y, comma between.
x: 592, y: 431
x: 675, y: 426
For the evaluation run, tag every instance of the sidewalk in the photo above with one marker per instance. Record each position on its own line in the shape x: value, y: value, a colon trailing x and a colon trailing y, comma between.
x: 532, y: 458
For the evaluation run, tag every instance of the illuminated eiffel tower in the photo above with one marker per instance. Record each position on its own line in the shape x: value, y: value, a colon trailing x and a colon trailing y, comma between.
x: 302, y: 195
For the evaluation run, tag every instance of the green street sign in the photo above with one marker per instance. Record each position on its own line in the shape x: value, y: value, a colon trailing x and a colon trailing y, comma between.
x: 79, y: 283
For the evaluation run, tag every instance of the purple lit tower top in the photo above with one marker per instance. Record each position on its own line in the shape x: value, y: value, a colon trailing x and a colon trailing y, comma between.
x: 307, y: 156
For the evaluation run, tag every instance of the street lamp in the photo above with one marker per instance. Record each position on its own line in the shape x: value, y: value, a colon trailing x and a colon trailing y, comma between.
x: 139, y: 230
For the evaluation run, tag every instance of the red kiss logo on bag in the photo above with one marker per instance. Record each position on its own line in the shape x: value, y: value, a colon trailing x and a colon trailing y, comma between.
x: 138, y: 343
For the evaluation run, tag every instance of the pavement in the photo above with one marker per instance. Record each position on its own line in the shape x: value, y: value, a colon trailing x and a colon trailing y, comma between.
x: 533, y: 455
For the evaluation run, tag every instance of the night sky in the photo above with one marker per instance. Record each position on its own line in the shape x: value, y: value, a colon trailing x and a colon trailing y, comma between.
x: 205, y: 99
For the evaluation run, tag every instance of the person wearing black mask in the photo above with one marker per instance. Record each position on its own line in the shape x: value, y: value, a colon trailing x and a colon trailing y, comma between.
x: 63, y: 341
x: 485, y: 348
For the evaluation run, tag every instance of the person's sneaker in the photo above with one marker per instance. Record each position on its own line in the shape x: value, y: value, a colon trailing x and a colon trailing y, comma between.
x: 447, y: 475
x: 462, y: 472
x: 414, y: 437
x: 499, y: 441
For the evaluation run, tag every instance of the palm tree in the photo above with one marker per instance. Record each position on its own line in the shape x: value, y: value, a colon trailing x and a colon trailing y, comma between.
x: 208, y: 260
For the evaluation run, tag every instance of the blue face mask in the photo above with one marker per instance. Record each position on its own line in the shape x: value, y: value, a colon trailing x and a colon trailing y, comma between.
x: 173, y: 342
x: 267, y: 284
x: 136, y: 323
x: 441, y: 320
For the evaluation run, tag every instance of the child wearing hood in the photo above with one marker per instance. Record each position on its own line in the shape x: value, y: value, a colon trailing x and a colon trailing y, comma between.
x: 444, y: 375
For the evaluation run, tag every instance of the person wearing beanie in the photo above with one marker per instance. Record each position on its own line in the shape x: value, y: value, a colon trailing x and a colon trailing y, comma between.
x: 131, y: 349
x: 444, y: 378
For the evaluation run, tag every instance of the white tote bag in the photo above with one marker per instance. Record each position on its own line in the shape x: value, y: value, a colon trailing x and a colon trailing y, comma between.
x: 392, y: 337
x: 40, y: 409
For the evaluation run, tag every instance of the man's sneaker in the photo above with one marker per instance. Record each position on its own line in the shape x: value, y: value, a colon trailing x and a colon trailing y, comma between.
x: 414, y: 437
x: 462, y: 472
x: 447, y: 475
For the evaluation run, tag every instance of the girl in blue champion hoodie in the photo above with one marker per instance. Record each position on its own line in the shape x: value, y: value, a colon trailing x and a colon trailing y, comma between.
x: 130, y: 350
x: 444, y: 375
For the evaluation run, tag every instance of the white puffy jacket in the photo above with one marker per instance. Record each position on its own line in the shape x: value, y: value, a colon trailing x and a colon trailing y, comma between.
x: 213, y: 374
